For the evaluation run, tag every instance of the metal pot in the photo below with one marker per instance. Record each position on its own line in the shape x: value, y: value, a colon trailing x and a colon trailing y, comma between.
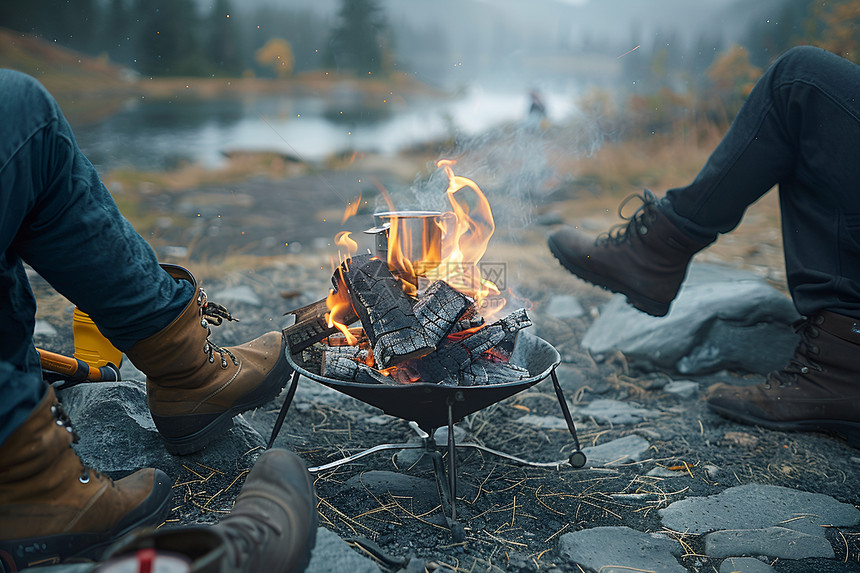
x: 418, y: 233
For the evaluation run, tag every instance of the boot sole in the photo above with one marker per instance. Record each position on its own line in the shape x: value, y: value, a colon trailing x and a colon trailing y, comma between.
x: 643, y: 303
x: 152, y: 511
x: 848, y: 431
x: 212, y: 426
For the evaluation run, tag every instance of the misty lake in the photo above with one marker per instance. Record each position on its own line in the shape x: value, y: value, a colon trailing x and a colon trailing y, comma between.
x: 161, y: 134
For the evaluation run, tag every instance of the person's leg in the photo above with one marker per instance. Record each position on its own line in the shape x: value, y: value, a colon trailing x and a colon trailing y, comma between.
x: 59, y: 218
x: 799, y: 129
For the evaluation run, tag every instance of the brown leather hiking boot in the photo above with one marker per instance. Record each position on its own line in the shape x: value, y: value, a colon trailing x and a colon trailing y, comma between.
x: 53, y: 508
x: 272, y: 527
x: 818, y: 390
x: 645, y: 259
x: 194, y: 387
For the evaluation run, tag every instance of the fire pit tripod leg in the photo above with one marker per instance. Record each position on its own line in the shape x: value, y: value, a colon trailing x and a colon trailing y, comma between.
x: 447, y: 484
x: 283, y: 413
x: 577, y: 458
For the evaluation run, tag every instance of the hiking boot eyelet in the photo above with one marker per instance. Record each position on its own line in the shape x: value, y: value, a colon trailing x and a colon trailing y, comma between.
x: 814, y: 349
x: 223, y: 363
x: 804, y: 370
x: 85, y: 478
x: 203, y: 323
x: 211, y: 359
x: 819, y: 319
x: 643, y: 230
x: 206, y: 348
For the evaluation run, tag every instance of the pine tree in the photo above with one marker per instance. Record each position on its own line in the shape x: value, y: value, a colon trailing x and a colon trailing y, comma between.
x: 358, y: 42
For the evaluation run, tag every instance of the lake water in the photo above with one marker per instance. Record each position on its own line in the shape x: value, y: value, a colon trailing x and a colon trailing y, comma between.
x: 161, y: 134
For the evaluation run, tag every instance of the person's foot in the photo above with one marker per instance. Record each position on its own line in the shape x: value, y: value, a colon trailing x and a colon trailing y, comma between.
x: 195, y: 387
x: 645, y: 259
x: 818, y: 390
x: 53, y: 508
x: 272, y: 528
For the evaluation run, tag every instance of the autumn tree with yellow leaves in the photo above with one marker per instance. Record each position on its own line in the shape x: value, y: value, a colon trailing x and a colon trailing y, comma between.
x: 277, y: 54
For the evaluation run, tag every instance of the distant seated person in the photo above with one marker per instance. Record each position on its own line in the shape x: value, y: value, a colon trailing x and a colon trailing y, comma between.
x: 799, y: 129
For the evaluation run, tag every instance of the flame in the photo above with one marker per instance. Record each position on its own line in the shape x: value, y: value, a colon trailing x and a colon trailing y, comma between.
x: 339, y: 304
x: 467, y: 235
x: 351, y: 210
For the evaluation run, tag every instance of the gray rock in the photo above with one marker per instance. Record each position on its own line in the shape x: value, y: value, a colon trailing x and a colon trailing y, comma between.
x: 744, y: 565
x: 771, y: 541
x: 755, y: 506
x: 545, y: 422
x: 118, y: 435
x: 615, y: 412
x: 617, y: 549
x: 722, y: 318
x: 237, y: 294
x: 630, y: 448
x: 331, y: 553
x: 417, y: 495
x: 682, y: 388
x: 44, y: 328
x: 564, y: 306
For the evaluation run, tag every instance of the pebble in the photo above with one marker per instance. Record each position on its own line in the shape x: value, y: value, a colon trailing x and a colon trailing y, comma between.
x: 744, y: 565
x: 682, y: 388
x: 331, y: 553
x: 564, y: 306
x: 616, y: 549
x: 778, y: 542
x: 630, y: 448
x: 615, y: 412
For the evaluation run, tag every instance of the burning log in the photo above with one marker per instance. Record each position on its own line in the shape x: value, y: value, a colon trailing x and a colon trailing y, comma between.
x: 385, y: 311
x: 441, y: 308
x: 311, y: 325
x: 457, y: 353
x: 349, y: 363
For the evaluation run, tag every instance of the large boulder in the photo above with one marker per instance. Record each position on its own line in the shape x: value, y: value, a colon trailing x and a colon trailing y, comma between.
x: 722, y: 318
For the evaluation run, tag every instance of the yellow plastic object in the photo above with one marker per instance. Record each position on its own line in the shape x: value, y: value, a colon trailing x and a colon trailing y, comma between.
x: 90, y: 344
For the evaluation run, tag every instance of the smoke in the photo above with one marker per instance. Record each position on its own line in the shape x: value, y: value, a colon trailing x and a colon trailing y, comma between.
x: 513, y: 164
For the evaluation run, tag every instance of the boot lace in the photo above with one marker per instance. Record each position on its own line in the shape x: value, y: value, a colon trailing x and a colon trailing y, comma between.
x: 637, y: 223
x: 214, y: 314
x: 62, y: 419
x: 802, y: 362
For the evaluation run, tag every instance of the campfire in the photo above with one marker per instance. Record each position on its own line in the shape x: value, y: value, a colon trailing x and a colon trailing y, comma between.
x: 419, y: 309
x: 414, y: 330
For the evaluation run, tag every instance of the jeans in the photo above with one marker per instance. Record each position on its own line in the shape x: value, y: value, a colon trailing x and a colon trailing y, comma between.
x: 799, y: 129
x: 57, y: 216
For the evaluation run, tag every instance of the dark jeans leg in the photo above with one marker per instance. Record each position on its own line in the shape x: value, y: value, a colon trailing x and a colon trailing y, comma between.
x: 799, y: 129
x: 56, y: 216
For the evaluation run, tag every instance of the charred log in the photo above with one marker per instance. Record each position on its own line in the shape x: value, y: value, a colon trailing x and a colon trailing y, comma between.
x: 385, y: 311
x: 441, y: 308
x: 457, y: 352
x: 311, y: 326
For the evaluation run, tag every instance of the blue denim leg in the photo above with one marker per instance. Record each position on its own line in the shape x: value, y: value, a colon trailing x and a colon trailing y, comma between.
x: 799, y: 129
x: 56, y: 216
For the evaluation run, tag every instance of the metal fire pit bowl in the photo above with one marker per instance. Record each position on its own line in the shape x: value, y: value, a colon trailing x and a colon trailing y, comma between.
x: 430, y: 406
x: 427, y: 404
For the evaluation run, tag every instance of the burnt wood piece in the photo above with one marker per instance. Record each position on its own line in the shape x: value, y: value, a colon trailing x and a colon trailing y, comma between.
x: 349, y: 363
x: 456, y: 353
x: 385, y: 311
x: 491, y: 372
x: 441, y: 307
x: 311, y: 326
